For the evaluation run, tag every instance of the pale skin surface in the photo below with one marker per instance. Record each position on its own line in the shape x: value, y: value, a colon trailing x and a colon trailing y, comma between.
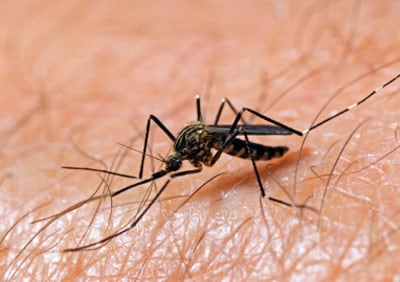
x: 90, y: 75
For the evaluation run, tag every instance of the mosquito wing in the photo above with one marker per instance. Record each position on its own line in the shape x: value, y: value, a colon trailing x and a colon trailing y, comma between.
x: 251, y: 129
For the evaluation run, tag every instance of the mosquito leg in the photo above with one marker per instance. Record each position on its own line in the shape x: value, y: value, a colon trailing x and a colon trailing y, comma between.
x: 349, y: 108
x: 160, y: 125
x: 250, y: 153
x: 100, y: 170
x: 146, y: 138
x: 231, y: 106
x: 173, y: 175
x: 220, y: 109
x: 249, y: 149
x: 231, y: 138
x: 124, y: 230
x: 140, y: 216
x: 301, y: 133
x: 253, y: 161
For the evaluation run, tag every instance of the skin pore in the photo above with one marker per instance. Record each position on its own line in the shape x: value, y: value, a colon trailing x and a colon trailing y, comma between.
x: 79, y: 78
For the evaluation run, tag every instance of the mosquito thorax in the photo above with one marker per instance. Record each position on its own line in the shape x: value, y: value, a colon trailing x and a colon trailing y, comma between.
x: 192, y: 140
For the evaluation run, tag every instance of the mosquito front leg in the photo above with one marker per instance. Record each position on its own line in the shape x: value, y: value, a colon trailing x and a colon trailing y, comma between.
x: 140, y: 216
x: 146, y: 138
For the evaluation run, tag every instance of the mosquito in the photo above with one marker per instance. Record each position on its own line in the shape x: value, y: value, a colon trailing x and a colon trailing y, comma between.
x: 197, y: 141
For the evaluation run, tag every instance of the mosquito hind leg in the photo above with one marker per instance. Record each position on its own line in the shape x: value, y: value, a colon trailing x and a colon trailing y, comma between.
x: 316, y: 125
x: 249, y: 150
x: 262, y: 190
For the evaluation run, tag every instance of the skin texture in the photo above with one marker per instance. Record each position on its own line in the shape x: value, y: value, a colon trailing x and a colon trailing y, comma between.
x: 77, y: 79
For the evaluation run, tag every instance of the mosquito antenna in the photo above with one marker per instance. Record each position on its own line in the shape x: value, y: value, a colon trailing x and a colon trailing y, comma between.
x: 99, y: 170
x: 140, y: 151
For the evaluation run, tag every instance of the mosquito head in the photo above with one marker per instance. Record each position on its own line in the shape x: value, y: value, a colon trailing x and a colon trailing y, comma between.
x: 173, y: 162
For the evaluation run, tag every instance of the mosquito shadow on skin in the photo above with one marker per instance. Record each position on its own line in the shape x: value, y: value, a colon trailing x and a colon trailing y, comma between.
x: 290, y: 158
x: 280, y: 166
x: 244, y: 175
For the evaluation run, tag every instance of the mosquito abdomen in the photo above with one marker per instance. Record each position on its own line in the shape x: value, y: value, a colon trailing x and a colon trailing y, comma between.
x: 260, y: 152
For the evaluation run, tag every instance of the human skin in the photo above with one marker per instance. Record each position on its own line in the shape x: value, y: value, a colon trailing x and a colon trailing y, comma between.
x: 77, y: 79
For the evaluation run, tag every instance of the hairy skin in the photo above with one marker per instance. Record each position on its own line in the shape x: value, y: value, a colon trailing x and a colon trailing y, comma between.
x: 79, y: 78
